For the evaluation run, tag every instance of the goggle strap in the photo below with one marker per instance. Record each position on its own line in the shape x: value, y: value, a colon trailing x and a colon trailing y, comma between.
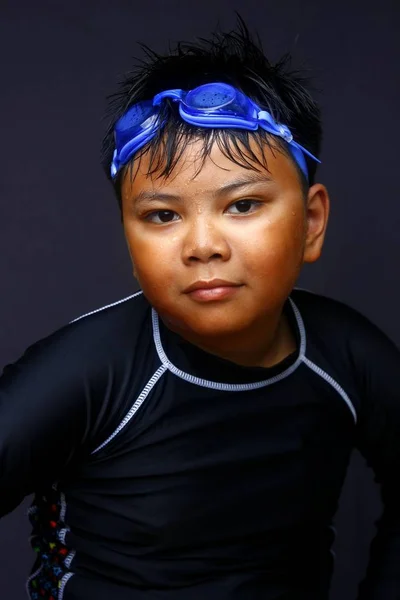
x: 258, y: 118
x: 263, y: 116
x: 305, y: 151
x: 174, y: 94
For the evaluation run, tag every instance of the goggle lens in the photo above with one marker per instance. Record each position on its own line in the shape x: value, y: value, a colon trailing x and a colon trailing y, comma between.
x: 133, y: 121
x: 210, y: 97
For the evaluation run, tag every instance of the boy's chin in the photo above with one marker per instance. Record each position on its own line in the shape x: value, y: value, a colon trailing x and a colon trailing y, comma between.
x: 207, y: 326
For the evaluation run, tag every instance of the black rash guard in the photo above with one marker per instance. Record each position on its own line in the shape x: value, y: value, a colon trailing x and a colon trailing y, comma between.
x: 162, y: 472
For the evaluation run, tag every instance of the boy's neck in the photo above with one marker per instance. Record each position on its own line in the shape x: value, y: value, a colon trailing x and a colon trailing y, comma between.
x: 248, y: 349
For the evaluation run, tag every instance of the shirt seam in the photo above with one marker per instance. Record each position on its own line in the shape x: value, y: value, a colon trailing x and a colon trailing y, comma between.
x: 135, y: 407
x: 139, y: 293
x: 229, y: 387
x: 333, y: 383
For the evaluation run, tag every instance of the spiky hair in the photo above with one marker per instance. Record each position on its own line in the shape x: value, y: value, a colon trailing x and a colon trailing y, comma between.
x: 236, y: 58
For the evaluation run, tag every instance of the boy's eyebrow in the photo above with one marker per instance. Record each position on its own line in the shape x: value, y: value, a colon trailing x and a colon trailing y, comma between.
x: 153, y: 195
x: 236, y: 184
x: 243, y: 181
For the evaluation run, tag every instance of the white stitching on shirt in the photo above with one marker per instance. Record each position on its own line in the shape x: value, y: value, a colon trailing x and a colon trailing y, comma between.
x: 69, y: 559
x: 61, y: 535
x: 63, y: 510
x: 63, y: 583
x: 333, y: 383
x: 302, y: 329
x: 229, y: 387
x: 141, y: 398
x: 35, y: 574
x: 107, y: 306
x: 327, y: 377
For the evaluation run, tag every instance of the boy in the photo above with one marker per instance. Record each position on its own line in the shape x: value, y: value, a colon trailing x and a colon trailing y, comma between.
x: 191, y: 441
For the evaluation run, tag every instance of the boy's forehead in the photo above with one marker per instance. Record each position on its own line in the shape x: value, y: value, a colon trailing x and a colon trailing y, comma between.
x: 214, y: 172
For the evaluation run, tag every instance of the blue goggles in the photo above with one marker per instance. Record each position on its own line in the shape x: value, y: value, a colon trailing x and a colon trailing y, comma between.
x: 213, y: 105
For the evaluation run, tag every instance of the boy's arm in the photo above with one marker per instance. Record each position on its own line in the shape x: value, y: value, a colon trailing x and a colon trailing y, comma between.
x: 377, y: 363
x: 44, y: 414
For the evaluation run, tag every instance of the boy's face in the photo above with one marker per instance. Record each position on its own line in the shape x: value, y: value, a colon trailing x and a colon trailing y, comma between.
x: 251, y: 229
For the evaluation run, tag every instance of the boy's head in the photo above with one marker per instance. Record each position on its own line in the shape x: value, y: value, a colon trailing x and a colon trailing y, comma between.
x: 232, y: 58
x: 230, y: 202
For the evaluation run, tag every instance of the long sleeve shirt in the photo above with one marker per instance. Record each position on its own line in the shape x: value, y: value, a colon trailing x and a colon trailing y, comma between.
x: 162, y: 472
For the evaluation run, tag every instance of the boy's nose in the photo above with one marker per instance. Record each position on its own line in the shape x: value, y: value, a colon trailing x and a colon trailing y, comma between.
x: 205, y: 242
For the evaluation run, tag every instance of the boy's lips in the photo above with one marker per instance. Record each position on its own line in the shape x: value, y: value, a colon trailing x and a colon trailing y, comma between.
x: 214, y: 289
x: 209, y: 285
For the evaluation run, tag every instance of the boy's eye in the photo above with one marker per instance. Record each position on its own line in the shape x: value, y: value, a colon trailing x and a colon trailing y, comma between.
x: 162, y: 216
x: 243, y: 207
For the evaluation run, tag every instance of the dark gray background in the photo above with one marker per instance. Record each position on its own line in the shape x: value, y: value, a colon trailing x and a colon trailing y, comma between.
x: 61, y: 247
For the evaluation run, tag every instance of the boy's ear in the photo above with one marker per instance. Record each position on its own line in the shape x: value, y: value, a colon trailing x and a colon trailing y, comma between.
x: 317, y: 213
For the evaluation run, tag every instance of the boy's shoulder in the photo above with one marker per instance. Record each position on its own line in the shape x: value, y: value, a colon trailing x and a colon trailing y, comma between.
x: 320, y: 306
x: 99, y: 334
x: 105, y: 339
x: 129, y: 309
x: 323, y: 312
x: 114, y: 325
x: 335, y: 323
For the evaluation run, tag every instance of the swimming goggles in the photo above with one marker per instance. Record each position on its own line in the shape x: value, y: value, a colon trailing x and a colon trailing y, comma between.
x: 213, y: 105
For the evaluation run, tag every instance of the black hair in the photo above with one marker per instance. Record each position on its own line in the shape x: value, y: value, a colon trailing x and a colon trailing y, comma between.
x: 235, y: 58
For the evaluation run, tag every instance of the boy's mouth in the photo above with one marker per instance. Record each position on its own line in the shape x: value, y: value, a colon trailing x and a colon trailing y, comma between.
x: 213, y: 289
